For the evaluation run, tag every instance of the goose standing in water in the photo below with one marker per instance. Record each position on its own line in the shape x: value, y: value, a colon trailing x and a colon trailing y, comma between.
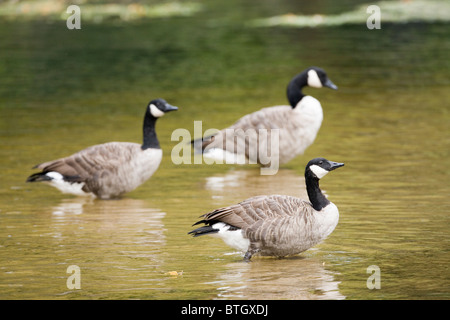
x: 111, y: 169
x: 276, y: 225
x: 298, y: 125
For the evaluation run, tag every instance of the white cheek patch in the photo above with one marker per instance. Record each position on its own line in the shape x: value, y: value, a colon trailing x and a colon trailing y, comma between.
x: 155, y: 111
x: 313, y: 79
x: 318, y: 171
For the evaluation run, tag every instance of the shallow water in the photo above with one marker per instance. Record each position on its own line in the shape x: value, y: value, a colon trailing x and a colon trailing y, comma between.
x: 62, y: 91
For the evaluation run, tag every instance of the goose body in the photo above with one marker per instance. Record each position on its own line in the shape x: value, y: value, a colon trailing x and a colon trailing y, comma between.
x: 249, y: 138
x: 111, y: 169
x: 276, y: 225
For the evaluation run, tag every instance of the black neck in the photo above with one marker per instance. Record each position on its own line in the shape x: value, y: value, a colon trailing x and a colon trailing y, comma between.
x: 294, y: 89
x: 150, y: 138
x: 318, y: 200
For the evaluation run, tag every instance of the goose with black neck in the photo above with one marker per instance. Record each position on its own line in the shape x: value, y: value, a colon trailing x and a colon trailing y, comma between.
x: 298, y: 125
x: 276, y: 225
x: 111, y: 169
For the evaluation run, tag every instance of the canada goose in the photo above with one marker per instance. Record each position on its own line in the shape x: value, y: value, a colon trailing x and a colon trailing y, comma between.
x: 298, y: 124
x: 111, y: 169
x: 276, y: 225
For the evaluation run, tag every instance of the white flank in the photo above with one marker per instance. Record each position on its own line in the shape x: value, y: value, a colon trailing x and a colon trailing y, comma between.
x: 234, y: 238
x: 327, y: 219
x: 155, y: 111
x: 64, y: 186
x: 318, y: 171
x: 313, y: 79
x: 311, y: 107
x: 310, y: 115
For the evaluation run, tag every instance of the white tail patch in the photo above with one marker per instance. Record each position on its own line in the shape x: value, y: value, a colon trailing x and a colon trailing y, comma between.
x: 222, y: 156
x: 318, y: 171
x: 313, y: 79
x: 59, y: 183
x: 234, y: 238
x: 155, y: 111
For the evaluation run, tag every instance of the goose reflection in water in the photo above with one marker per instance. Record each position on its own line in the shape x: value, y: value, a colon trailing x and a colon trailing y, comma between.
x: 123, y: 234
x: 295, y: 278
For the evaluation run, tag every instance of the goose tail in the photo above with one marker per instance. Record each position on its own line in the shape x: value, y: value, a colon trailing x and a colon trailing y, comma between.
x: 37, y: 177
x: 203, y: 230
x: 200, y: 144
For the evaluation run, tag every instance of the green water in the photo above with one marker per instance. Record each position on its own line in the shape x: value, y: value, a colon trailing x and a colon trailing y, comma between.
x: 61, y: 91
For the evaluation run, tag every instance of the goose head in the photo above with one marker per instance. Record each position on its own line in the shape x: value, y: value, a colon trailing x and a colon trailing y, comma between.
x: 317, y: 78
x: 159, y: 107
x: 312, y: 77
x: 319, y: 167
